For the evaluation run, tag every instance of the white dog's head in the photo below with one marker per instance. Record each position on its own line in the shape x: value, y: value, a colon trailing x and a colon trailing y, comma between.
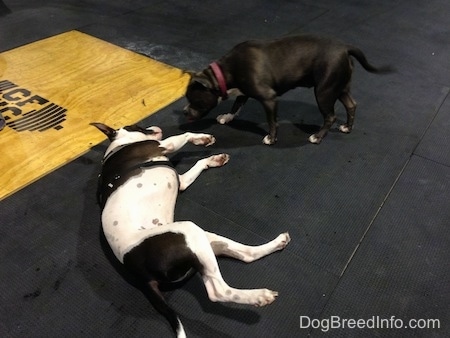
x: 128, y: 134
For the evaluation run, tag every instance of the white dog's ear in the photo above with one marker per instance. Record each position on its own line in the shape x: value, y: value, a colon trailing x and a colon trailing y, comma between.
x: 108, y: 131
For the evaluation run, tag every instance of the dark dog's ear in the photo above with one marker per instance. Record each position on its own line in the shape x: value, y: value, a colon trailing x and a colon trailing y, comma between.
x: 201, y: 79
x: 108, y: 131
x: 191, y: 73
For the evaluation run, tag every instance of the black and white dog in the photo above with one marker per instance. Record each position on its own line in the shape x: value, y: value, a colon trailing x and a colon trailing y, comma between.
x: 264, y: 70
x: 138, y: 188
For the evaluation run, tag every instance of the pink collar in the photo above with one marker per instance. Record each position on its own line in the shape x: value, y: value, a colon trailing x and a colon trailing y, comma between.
x: 220, y: 79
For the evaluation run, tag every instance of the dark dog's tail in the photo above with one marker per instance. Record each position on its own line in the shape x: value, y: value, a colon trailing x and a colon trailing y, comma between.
x: 359, y: 55
x: 156, y: 298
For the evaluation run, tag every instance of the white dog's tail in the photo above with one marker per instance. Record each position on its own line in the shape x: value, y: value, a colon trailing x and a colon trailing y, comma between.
x: 159, y: 303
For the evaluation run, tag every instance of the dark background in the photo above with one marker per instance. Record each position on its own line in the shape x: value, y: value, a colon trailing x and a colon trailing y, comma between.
x: 368, y: 212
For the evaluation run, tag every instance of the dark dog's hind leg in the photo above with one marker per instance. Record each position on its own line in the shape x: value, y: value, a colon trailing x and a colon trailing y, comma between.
x: 270, y: 107
x: 163, y: 258
x: 325, y: 100
x: 350, y: 106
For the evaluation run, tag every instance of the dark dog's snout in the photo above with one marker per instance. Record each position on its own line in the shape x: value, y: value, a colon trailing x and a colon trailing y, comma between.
x: 189, y: 113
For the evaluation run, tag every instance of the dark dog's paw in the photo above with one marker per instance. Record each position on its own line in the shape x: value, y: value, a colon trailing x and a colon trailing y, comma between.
x: 269, y: 140
x: 225, y: 118
x: 344, y: 128
x: 315, y: 139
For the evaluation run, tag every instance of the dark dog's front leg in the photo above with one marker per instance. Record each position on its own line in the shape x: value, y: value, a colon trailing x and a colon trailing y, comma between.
x: 270, y: 106
x: 237, y: 106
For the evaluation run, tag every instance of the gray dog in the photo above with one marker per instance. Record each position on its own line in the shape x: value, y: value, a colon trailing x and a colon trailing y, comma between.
x: 265, y: 70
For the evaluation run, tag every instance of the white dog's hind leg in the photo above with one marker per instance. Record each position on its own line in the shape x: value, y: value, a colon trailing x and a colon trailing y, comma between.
x: 218, y: 290
x: 213, y: 161
x: 246, y: 253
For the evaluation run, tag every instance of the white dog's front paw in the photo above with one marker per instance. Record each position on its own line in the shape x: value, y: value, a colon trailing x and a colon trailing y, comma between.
x: 283, y: 240
x: 225, y: 118
x: 217, y: 160
x: 202, y: 140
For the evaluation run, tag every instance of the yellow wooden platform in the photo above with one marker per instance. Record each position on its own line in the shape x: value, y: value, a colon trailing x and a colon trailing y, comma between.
x: 52, y: 89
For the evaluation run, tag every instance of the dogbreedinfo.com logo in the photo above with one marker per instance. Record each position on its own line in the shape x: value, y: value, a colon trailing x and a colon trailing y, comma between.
x: 25, y: 111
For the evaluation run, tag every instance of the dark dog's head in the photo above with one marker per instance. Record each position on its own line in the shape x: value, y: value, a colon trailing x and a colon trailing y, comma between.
x: 201, y: 95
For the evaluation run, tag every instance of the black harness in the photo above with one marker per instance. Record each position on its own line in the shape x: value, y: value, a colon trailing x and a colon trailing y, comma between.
x: 125, y: 162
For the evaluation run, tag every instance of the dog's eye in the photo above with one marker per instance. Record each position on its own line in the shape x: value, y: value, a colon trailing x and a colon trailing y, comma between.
x: 148, y: 131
